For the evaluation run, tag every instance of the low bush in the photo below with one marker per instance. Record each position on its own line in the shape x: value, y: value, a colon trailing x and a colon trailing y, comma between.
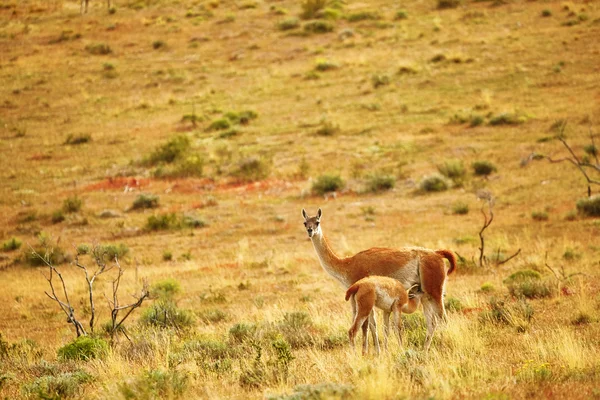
x: 529, y: 283
x: 98, y: 49
x: 325, y: 65
x: 517, y: 314
x: 84, y: 348
x: 253, y: 169
x: 453, y: 169
x: 220, y: 124
x: 57, y: 217
x: 109, y: 252
x: 52, y: 254
x: 296, y: 329
x: 166, y: 315
x: 483, y: 168
x: 507, y: 119
x: 327, y: 128
x: 78, y: 139
x: 460, y: 208
x: 72, y: 204
x: 165, y: 289
x: 589, y: 207
x: 61, y: 386
x: 144, y: 201
x: 327, y: 183
x: 380, y: 80
x: 434, y: 183
x: 242, y: 332
x: 318, y: 27
x: 363, y: 15
x: 12, y: 244
x: 170, y: 151
x: 380, y: 182
x: 156, y: 384
x: 401, y: 14
x: 539, y: 215
x: 453, y: 304
x: 310, y: 8
x: 288, y: 24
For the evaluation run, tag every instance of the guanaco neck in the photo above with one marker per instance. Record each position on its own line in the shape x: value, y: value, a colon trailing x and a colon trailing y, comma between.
x: 330, y: 262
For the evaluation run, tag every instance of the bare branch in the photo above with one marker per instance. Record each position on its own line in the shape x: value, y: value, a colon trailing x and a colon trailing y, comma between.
x: 509, y: 258
x: 487, y: 221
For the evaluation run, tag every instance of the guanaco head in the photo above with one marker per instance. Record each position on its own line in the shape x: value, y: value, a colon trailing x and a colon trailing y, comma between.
x: 312, y: 224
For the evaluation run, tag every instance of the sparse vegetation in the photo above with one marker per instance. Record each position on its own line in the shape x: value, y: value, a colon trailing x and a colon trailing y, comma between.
x: 379, y: 182
x: 12, y: 244
x: 98, y: 49
x: 444, y: 4
x: 318, y: 27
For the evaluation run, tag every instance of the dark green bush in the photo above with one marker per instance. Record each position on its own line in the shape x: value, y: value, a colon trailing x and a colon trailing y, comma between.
x: 144, y: 201
x: 12, y: 244
x: 483, y: 168
x: 84, y: 348
x: 158, y: 44
x: 434, y: 183
x: 327, y: 183
x: 589, y: 206
x: 219, y: 125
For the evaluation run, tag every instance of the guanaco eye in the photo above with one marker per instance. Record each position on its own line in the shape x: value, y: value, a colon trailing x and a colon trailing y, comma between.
x: 305, y: 224
x: 317, y: 223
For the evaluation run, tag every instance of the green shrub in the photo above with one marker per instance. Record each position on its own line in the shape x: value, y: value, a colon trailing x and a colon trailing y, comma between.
x: 487, y: 287
x: 156, y: 384
x: 327, y: 128
x: 162, y: 222
x: 98, y: 49
x: 476, y: 120
x: 165, y: 289
x: 165, y: 314
x: 288, y: 24
x: 109, y: 252
x: 78, y: 139
x: 589, y: 206
x: 453, y: 169
x: 283, y: 357
x: 571, y: 254
x: 445, y: 4
x: 219, y: 125
x: 158, y: 44
x: 72, y: 204
x: 192, y: 221
x: 53, y: 254
x: 12, y: 244
x: 167, y: 256
x: 190, y: 166
x: 242, y: 332
x: 57, y: 217
x: 335, y: 340
x: 546, y: 13
x: 539, y: 216
x: 401, y: 14
x: 327, y: 183
x: 460, y: 208
x: 483, y: 168
x: 170, y: 151
x: 65, y: 385
x: 310, y: 8
x: 325, y: 65
x: 253, y: 169
x: 318, y: 27
x: 84, y: 348
x: 380, y: 182
x: 296, y: 328
x: 380, y: 80
x: 212, y: 316
x: 507, y: 119
x: 529, y: 284
x: 143, y: 201
x: 434, y: 183
x: 363, y: 15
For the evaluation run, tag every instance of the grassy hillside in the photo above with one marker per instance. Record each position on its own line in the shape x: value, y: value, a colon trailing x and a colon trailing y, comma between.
x: 188, y: 135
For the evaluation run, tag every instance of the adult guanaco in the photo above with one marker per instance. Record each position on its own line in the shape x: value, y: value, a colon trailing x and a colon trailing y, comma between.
x: 411, y: 266
x: 388, y: 295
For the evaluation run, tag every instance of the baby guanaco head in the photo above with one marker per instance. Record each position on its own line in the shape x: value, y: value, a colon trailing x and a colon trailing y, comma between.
x: 312, y: 224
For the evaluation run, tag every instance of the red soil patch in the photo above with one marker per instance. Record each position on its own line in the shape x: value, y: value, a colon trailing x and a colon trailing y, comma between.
x: 119, y: 183
x: 39, y: 157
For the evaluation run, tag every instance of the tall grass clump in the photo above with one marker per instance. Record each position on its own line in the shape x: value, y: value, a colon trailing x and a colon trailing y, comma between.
x: 72, y: 204
x: 144, y: 201
x: 453, y: 170
x: 62, y: 386
x: 379, y: 182
x: 327, y: 183
x: 170, y: 151
x: 156, y: 384
x: 589, y: 206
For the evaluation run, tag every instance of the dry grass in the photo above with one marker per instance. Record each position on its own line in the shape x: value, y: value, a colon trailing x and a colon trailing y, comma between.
x: 252, y: 263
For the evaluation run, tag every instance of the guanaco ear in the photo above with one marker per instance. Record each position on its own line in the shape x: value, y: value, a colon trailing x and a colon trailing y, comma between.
x: 304, y: 214
x: 319, y: 213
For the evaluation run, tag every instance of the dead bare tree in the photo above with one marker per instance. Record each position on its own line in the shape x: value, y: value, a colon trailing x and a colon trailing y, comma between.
x: 584, y: 165
x: 115, y: 307
x: 488, y: 217
x: 99, y: 255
